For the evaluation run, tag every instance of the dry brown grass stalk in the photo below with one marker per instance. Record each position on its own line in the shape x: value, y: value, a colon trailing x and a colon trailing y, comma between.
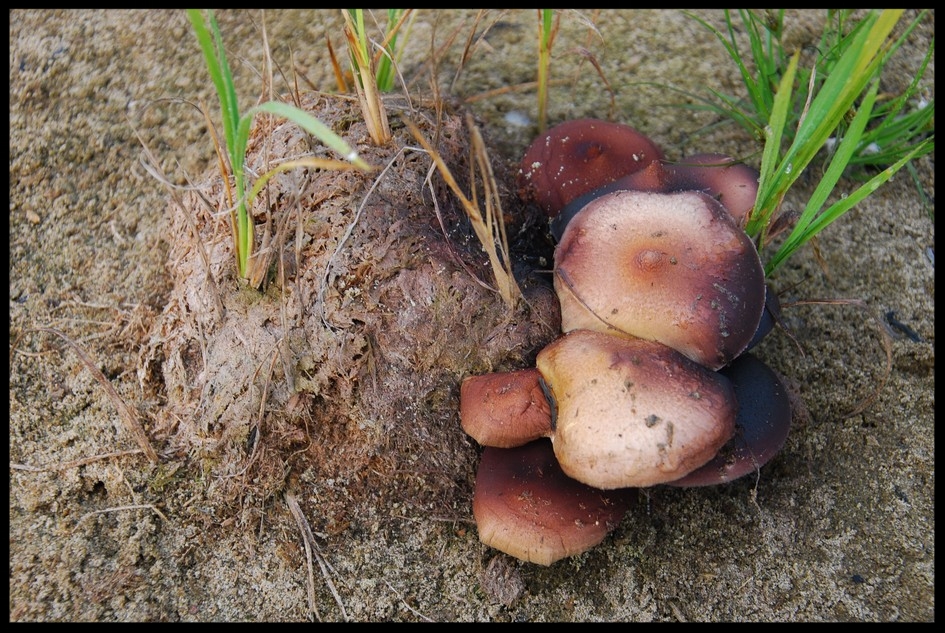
x: 311, y: 551
x: 489, y: 226
x: 375, y: 114
x: 128, y: 416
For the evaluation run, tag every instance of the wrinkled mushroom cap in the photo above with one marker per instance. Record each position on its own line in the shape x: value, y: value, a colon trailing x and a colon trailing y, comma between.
x: 578, y: 156
x: 504, y: 409
x: 672, y: 268
x: 761, y: 426
x: 525, y: 506
x: 631, y: 412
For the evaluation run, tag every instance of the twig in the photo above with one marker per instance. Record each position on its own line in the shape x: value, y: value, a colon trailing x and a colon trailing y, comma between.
x: 409, y: 608
x: 127, y: 415
x: 137, y: 506
x: 311, y: 551
x: 75, y: 463
x: 490, y: 227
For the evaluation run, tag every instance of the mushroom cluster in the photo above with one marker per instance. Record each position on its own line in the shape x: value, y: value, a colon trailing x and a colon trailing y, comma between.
x: 662, y: 293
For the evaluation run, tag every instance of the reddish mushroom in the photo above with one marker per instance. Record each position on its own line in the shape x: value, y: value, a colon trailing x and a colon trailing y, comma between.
x: 672, y: 268
x: 525, y: 506
x: 578, y: 156
x: 504, y: 409
x: 733, y: 184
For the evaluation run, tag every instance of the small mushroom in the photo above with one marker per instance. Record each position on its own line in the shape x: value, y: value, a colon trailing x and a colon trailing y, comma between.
x: 504, y: 409
x: 761, y: 427
x: 525, y: 506
x: 733, y: 184
x: 631, y: 412
x: 578, y: 156
x: 672, y: 268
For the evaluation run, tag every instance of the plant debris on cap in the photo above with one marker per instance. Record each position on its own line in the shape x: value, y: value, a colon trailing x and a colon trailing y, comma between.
x: 631, y: 412
x: 525, y: 506
x: 672, y: 268
x: 578, y: 156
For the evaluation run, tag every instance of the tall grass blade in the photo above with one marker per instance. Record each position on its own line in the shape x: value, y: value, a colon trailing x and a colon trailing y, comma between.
x: 237, y: 128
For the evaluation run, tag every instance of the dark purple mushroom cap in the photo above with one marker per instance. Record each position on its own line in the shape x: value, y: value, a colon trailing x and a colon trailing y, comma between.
x: 672, y: 268
x: 504, y: 409
x: 578, y: 156
x: 769, y: 318
x: 525, y: 506
x: 761, y: 426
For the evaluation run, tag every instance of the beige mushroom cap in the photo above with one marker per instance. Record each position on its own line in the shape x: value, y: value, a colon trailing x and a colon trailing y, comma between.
x: 667, y: 267
x: 631, y: 412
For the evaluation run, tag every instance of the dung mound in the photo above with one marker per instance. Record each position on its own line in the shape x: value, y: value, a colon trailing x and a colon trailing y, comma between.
x: 343, y: 374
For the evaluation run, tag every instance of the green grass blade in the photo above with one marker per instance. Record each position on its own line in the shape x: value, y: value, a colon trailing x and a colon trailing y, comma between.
x: 385, y: 67
x: 211, y: 42
x: 838, y: 164
x: 775, y: 178
x: 231, y: 110
x: 760, y: 43
x: 212, y: 47
x: 314, y: 127
x: 847, y: 80
x: 838, y: 209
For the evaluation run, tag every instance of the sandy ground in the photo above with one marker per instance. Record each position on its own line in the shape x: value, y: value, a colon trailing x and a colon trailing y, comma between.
x: 840, y: 526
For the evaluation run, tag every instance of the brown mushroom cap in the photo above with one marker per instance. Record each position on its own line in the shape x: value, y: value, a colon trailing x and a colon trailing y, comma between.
x: 761, y: 427
x: 733, y: 184
x: 578, y: 156
x: 631, y: 412
x: 527, y: 507
x: 504, y: 409
x: 672, y: 268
